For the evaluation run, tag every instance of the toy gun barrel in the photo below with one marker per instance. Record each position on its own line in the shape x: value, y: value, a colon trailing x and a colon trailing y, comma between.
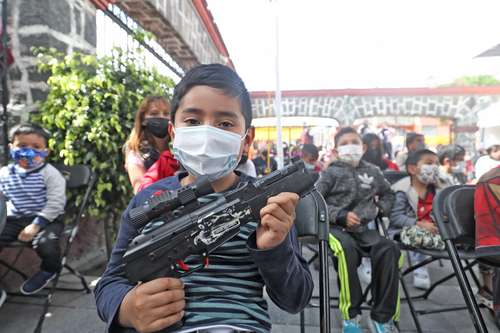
x: 167, y: 201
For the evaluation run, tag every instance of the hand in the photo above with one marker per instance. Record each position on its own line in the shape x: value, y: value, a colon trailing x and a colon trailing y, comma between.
x: 29, y: 232
x: 153, y: 306
x: 428, y: 225
x: 352, y: 220
x: 276, y: 220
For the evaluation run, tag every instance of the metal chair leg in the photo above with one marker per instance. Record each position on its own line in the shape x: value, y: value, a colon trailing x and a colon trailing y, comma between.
x: 46, y: 304
x: 80, y: 276
x: 410, y: 304
x: 465, y: 287
x: 302, y: 322
x: 324, y: 288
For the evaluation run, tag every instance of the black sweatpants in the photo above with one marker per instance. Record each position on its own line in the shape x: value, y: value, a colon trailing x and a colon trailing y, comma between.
x: 46, y: 242
x: 384, y: 254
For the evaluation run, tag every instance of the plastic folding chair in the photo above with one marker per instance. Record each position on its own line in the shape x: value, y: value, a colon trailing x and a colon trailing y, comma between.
x: 454, y: 213
x: 393, y: 176
x: 312, y: 228
x: 77, y: 177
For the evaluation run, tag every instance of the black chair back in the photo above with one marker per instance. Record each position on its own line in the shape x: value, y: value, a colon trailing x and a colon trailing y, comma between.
x: 460, y: 208
x: 311, y: 218
x: 393, y: 176
x: 76, y: 175
x: 3, y: 211
x: 439, y: 211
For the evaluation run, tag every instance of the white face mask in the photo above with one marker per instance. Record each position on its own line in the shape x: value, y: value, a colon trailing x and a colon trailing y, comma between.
x: 428, y: 174
x: 350, y: 153
x: 459, y: 168
x: 206, y: 150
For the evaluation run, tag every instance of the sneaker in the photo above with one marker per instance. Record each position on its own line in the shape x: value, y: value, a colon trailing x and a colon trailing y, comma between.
x: 3, y: 297
x: 421, y: 279
x: 37, y: 282
x: 485, y: 297
x: 352, y: 325
x: 376, y: 327
x: 365, y: 271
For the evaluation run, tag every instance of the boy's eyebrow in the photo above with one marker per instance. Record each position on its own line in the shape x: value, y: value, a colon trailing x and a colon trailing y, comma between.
x: 192, y: 111
x: 227, y: 114
x: 219, y: 113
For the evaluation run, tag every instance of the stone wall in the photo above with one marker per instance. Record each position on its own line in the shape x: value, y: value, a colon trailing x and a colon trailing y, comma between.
x: 346, y: 108
x: 67, y: 25
x: 177, y: 28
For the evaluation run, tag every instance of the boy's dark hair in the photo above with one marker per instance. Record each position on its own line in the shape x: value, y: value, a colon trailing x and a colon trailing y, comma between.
x: 451, y: 152
x: 311, y: 150
x: 29, y: 128
x: 492, y: 148
x: 216, y: 76
x: 369, y: 137
x: 411, y: 137
x: 416, y: 156
x: 343, y: 131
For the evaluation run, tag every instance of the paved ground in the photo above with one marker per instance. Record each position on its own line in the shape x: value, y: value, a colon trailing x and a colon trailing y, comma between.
x: 75, y: 312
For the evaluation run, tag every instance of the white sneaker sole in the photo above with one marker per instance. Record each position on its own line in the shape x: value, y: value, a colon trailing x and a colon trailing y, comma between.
x: 484, y: 301
x: 3, y: 297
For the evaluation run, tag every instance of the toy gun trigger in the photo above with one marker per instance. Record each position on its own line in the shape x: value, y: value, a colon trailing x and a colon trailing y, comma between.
x: 186, y: 270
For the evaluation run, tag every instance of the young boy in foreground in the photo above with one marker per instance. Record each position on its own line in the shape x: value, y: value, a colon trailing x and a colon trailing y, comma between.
x: 211, y: 114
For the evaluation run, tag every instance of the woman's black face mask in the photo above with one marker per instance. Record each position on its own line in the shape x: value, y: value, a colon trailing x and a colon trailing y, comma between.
x: 157, y: 126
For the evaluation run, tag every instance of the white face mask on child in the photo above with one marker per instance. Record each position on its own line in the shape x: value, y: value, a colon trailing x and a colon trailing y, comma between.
x: 350, y: 153
x: 206, y: 150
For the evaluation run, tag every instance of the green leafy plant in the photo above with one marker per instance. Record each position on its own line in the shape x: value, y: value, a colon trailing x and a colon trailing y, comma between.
x: 90, y: 111
x: 475, y: 80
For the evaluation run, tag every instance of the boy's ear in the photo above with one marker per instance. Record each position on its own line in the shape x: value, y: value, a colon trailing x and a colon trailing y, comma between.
x: 247, y: 142
x: 171, y: 132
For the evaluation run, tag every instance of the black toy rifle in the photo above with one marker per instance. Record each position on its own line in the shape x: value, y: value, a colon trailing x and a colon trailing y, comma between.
x: 191, y: 228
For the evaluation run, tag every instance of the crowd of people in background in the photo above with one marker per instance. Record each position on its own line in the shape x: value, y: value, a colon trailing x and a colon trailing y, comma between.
x: 454, y: 167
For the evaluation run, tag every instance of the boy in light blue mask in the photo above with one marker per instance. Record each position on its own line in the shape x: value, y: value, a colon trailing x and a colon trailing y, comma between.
x: 35, y: 193
x: 210, y: 118
x: 310, y: 155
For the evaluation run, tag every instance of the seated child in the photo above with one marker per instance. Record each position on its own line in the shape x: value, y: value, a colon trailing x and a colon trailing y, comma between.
x: 351, y: 188
x: 452, y: 169
x: 36, y: 195
x: 310, y: 155
x: 211, y: 115
x: 410, y: 218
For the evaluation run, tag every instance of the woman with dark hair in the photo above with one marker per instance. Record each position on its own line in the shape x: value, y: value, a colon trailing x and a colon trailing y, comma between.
x: 374, y: 153
x: 147, y: 154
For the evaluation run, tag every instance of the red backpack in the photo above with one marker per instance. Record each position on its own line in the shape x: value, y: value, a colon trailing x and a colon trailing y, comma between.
x: 487, y: 212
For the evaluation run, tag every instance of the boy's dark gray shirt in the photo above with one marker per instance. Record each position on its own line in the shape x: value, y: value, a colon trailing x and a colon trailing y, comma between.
x: 360, y: 189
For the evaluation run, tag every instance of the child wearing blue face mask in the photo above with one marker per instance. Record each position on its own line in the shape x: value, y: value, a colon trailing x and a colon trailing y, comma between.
x: 35, y: 193
x: 310, y: 155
